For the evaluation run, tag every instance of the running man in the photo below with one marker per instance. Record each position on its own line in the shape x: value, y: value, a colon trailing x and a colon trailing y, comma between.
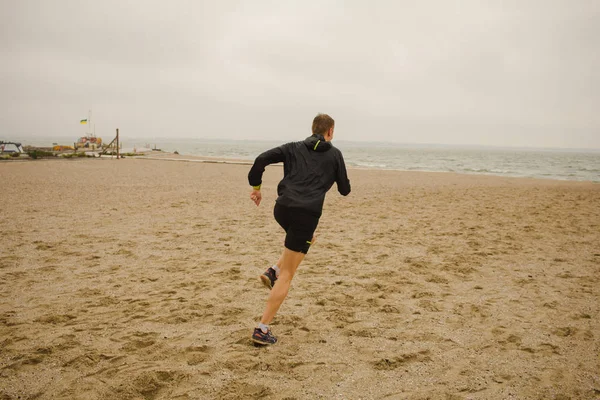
x: 310, y: 168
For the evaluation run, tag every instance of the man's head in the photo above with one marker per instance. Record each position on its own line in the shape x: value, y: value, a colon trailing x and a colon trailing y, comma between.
x: 323, y: 124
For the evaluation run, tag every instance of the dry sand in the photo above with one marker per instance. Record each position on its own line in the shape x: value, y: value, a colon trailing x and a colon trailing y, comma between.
x: 138, y: 279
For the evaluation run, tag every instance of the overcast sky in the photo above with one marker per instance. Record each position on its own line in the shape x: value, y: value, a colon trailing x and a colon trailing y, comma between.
x: 508, y: 73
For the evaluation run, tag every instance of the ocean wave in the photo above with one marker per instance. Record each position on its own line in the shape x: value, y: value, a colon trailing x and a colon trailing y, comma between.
x: 368, y: 165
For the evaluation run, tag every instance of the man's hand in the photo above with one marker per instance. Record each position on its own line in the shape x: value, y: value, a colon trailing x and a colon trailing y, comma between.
x: 255, y: 196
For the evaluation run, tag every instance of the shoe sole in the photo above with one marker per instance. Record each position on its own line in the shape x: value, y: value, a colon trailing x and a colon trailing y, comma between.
x: 266, y: 281
x: 256, y: 341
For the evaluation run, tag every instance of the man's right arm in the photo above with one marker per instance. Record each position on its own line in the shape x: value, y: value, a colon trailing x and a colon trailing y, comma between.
x: 258, y: 168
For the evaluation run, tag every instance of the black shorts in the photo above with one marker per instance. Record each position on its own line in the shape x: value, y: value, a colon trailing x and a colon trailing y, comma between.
x: 299, y: 226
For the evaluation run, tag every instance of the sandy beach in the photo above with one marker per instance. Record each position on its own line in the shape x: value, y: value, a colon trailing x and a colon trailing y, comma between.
x: 138, y: 279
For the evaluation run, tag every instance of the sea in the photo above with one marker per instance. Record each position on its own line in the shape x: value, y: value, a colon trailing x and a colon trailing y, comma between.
x: 546, y: 163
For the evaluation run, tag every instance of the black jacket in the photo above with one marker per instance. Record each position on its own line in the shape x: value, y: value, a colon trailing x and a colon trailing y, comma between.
x: 309, y: 170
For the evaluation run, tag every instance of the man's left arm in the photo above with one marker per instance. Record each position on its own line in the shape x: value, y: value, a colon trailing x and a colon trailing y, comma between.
x: 342, y: 181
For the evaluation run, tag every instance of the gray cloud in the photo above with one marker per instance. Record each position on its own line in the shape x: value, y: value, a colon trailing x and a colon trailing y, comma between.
x: 458, y: 72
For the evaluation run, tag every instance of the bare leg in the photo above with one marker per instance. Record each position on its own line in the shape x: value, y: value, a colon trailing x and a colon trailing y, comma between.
x: 288, y: 264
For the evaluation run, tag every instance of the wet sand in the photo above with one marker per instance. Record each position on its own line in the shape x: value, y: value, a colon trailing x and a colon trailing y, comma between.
x: 138, y: 279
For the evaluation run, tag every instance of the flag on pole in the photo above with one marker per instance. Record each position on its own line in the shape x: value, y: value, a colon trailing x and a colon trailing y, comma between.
x: 83, y: 121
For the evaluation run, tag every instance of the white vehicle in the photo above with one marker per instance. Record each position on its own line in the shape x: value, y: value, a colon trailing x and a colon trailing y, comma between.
x: 11, y: 147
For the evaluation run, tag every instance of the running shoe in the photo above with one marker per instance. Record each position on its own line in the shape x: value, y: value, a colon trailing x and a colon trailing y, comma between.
x: 269, y: 278
x: 259, y: 337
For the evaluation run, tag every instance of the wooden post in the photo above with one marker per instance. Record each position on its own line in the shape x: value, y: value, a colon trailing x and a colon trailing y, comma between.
x: 117, y: 143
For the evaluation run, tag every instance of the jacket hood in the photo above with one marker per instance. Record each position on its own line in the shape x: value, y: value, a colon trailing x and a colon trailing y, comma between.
x: 317, y: 143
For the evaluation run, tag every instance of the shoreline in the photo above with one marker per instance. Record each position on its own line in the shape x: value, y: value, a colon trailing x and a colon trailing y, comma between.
x: 225, y: 160
x: 165, y: 156
x: 588, y: 169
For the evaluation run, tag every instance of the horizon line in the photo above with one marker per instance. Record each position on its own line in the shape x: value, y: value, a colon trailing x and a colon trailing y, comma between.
x: 374, y: 142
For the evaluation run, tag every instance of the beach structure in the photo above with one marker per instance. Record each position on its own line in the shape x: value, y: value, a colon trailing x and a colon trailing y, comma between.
x: 115, y: 141
x: 11, y: 147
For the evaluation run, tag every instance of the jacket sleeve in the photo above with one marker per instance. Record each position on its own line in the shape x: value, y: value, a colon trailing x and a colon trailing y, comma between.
x: 342, y: 181
x: 272, y: 156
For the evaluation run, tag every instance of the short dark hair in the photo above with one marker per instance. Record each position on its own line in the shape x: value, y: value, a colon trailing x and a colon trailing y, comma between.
x: 321, y: 124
